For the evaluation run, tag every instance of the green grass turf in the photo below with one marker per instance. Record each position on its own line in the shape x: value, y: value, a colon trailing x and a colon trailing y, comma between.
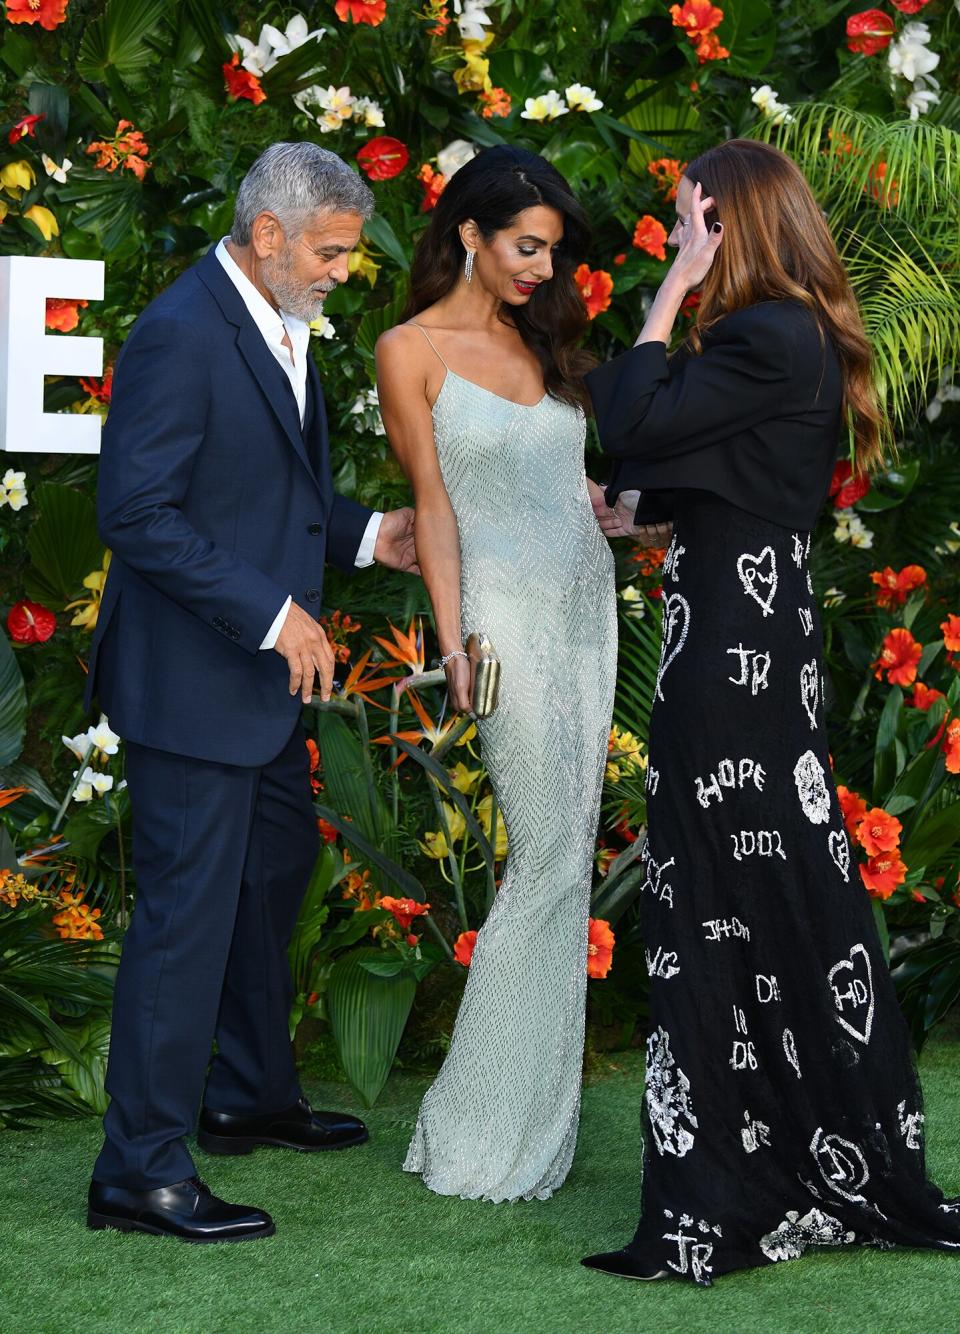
x: 361, y: 1246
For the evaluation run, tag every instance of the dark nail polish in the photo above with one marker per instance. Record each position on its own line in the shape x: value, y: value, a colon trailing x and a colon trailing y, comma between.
x: 718, y: 227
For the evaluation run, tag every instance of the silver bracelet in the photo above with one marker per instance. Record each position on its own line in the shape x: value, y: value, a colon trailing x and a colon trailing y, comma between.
x: 457, y: 653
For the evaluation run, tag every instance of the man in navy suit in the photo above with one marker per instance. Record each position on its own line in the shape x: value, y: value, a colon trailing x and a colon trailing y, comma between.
x: 216, y: 499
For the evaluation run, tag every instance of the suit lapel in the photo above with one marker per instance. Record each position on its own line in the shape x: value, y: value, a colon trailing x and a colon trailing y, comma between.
x: 317, y: 425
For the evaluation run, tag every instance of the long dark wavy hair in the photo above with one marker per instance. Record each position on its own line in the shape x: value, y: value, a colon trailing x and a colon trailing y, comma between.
x: 492, y: 189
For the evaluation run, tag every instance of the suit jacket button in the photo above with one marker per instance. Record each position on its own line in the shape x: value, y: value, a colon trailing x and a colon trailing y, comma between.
x: 312, y: 595
x: 314, y: 529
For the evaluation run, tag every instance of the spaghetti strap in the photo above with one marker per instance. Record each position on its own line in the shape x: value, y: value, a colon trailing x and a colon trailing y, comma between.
x: 431, y: 342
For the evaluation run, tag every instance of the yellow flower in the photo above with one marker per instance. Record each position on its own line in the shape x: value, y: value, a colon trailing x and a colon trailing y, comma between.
x: 612, y: 772
x: 4, y: 209
x: 483, y: 815
x: 626, y: 748
x: 473, y: 76
x: 362, y: 262
x: 16, y: 177
x: 435, y: 845
x: 90, y: 607
x: 468, y: 735
x: 464, y: 779
x: 456, y: 824
x: 44, y: 220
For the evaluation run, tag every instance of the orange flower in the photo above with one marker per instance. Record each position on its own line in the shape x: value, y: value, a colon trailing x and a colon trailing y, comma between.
x: 882, y: 874
x: 600, y: 943
x: 357, y: 886
x: 708, y: 47
x: 896, y: 588
x: 384, y: 157
x: 358, y: 684
x: 651, y: 236
x: 649, y: 558
x: 362, y: 11
x: 338, y: 626
x: 408, y: 648
x: 879, y: 832
x: 127, y: 149
x: 951, y: 632
x: 8, y: 795
x: 463, y: 947
x: 240, y: 83
x: 666, y: 173
x: 314, y: 753
x: 886, y: 193
x: 327, y: 831
x: 77, y: 921
x: 433, y: 183
x: 696, y: 17
x: 404, y: 910
x: 495, y: 102
x: 63, y: 314
x: 924, y: 696
x: 852, y: 807
x: 102, y: 389
x: 48, y: 13
x: 436, y: 13
x: 602, y: 859
x: 595, y: 288
x: 951, y: 746
x: 898, y: 658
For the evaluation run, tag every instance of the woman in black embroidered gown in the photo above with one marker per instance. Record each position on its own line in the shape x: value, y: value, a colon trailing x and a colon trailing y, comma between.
x: 782, y: 1108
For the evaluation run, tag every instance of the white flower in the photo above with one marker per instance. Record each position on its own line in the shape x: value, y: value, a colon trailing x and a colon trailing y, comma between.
x: 296, y: 34
x: 472, y: 18
x: 851, y: 528
x: 952, y: 545
x: 257, y: 57
x: 13, y: 492
x: 321, y: 327
x: 84, y: 789
x: 833, y: 597
x: 100, y: 783
x: 546, y: 107
x: 924, y: 95
x: 769, y: 103
x: 582, y: 98
x: 632, y: 596
x: 908, y: 57
x: 79, y: 744
x: 366, y: 410
x: 456, y: 155
x: 337, y: 105
x: 103, y: 737
x: 947, y: 392
x: 59, y: 173
x: 369, y: 111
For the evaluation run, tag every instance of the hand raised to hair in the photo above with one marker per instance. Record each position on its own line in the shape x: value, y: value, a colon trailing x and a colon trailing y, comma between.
x: 697, y: 246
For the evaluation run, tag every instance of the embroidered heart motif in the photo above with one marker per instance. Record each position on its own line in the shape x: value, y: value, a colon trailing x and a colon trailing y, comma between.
x: 859, y: 992
x: 759, y: 570
x: 676, y: 623
x: 840, y: 851
x: 812, y: 788
x: 810, y: 690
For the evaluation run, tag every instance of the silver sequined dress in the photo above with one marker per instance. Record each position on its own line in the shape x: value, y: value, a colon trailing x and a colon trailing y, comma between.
x: 500, y: 1120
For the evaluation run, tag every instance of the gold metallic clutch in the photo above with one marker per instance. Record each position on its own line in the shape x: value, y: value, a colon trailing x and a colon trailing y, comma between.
x: 484, y: 673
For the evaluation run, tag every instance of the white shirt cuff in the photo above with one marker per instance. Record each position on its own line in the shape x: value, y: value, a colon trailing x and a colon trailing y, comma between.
x: 273, y: 634
x: 366, y: 548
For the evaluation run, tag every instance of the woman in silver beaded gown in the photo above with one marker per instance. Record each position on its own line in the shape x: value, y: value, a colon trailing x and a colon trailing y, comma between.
x: 481, y: 394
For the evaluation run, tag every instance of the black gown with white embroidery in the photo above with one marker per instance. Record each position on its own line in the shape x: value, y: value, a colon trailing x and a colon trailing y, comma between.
x: 782, y: 1108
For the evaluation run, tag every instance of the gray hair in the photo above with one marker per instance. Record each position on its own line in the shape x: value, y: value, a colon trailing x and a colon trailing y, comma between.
x: 296, y: 181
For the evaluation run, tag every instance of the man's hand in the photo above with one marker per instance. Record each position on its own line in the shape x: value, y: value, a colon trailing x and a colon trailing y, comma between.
x: 307, y: 650
x: 618, y: 521
x: 395, y: 547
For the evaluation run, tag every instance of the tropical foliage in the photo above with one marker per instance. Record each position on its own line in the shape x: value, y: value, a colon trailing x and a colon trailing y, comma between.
x: 126, y: 127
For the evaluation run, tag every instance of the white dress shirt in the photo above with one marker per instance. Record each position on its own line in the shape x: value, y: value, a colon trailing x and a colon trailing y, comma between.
x: 273, y: 325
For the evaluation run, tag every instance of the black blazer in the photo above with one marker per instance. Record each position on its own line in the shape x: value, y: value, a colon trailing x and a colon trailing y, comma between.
x: 755, y: 418
x: 213, y: 511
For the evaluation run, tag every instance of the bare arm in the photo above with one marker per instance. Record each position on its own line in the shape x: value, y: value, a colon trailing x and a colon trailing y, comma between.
x: 402, y: 385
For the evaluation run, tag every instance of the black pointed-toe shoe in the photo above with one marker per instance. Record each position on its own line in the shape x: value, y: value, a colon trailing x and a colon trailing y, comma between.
x: 623, y: 1265
x: 297, y: 1127
x: 186, y: 1210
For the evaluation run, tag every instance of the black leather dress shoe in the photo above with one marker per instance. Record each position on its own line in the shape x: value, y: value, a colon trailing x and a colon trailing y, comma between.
x: 297, y: 1127
x: 186, y: 1210
x: 623, y: 1265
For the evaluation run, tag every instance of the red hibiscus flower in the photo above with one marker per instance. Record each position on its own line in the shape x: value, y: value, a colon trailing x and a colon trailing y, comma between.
x: 362, y: 11
x: 924, y: 696
x: 240, y: 83
x: 29, y: 623
x: 383, y: 158
x: 666, y: 173
x: 898, y: 658
x: 595, y: 287
x: 870, y: 31
x: 463, y: 947
x: 23, y: 127
x: 600, y: 943
x: 404, y: 910
x: 909, y: 6
x: 853, y: 808
x: 951, y: 746
x: 62, y: 313
x: 708, y: 47
x: 696, y: 17
x: 845, y: 488
x: 951, y: 632
x: 48, y: 13
x: 882, y: 874
x: 893, y: 588
x: 650, y: 236
x: 879, y: 832
x: 433, y: 183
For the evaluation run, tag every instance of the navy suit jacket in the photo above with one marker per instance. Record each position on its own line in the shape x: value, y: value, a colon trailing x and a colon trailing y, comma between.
x: 214, y: 514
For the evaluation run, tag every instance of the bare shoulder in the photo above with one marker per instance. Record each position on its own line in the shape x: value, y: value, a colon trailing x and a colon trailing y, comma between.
x: 401, y: 343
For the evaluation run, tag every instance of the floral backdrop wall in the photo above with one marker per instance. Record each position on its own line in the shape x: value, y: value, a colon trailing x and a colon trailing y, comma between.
x: 124, y: 130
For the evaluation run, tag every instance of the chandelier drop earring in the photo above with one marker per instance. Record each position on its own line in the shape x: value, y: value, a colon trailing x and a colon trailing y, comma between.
x: 468, y: 267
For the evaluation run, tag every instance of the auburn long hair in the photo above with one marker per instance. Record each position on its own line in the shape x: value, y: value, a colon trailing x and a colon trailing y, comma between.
x: 492, y: 189
x: 777, y: 245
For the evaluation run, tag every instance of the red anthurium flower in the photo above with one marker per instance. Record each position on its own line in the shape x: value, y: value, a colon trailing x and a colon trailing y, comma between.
x: 951, y: 746
x: 241, y: 83
x: 29, y: 623
x: 63, y: 314
x: 404, y: 910
x: 650, y: 236
x: 362, y: 11
x: 924, y: 696
x: 898, y: 658
x: 893, y: 588
x: 22, y: 128
x: 595, y: 287
x: 909, y: 6
x: 433, y: 183
x: 870, y: 31
x: 383, y: 158
x: 951, y: 632
x: 878, y: 832
x: 882, y: 874
x: 845, y: 488
x: 463, y: 947
x: 600, y: 943
x: 48, y: 13
x: 853, y: 808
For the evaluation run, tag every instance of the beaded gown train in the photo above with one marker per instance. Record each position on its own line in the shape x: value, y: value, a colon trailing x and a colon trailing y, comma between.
x: 500, y: 1120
